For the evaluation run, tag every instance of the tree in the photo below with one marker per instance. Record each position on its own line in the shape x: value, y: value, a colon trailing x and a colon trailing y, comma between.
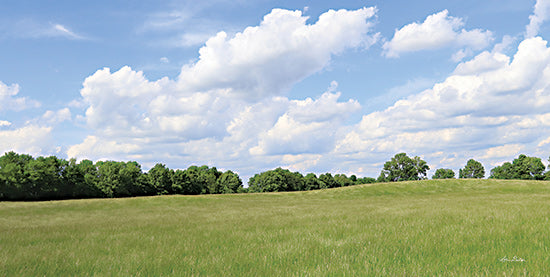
x: 343, y: 181
x: 160, y: 179
x: 504, y: 171
x: 14, y: 183
x: 311, y: 182
x: 473, y: 169
x: 528, y: 168
x: 229, y: 182
x: 524, y: 168
x: 444, y: 173
x: 403, y: 168
x: 327, y: 181
x: 276, y: 180
x: 365, y: 180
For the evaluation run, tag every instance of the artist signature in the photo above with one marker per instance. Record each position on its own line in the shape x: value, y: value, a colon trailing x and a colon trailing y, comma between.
x: 514, y: 259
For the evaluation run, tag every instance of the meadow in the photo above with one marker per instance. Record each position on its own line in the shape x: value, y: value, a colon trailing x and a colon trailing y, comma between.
x: 433, y: 227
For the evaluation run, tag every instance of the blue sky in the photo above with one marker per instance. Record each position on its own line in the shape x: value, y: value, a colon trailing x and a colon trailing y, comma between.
x: 313, y: 86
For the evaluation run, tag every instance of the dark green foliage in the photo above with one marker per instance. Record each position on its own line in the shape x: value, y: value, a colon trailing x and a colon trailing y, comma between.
x: 403, y: 168
x: 328, y: 181
x: 283, y: 180
x: 311, y: 182
x: 229, y: 182
x: 444, y: 173
x: 276, y: 180
x: 343, y: 181
x: 45, y: 178
x: 524, y: 168
x: 160, y: 179
x: 365, y: 180
x: 473, y: 169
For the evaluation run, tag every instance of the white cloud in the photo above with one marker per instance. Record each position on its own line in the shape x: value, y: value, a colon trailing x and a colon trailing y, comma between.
x: 437, y: 31
x: 229, y: 108
x: 540, y: 14
x: 267, y: 59
x: 308, y: 126
x: 4, y: 123
x: 31, y: 139
x: 10, y: 101
x: 492, y: 107
x: 101, y: 149
x: 58, y: 30
x: 228, y: 102
x: 55, y: 117
x: 33, y: 29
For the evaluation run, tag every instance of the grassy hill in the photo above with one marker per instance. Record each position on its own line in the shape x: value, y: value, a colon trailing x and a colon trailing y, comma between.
x: 436, y: 227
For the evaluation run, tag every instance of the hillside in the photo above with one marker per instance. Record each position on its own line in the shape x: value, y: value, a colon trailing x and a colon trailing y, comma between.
x: 443, y: 227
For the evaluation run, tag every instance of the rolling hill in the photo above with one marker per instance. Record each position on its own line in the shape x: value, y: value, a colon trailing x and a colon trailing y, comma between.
x: 433, y: 227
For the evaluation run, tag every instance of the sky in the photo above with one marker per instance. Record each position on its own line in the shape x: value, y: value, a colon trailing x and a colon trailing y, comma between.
x: 248, y: 86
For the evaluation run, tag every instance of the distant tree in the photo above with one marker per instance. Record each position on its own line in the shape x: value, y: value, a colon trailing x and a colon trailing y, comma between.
x: 44, y: 177
x: 327, y: 181
x: 229, y: 182
x: 343, y: 181
x: 14, y: 184
x: 528, y: 168
x: 524, y: 167
x: 504, y: 171
x: 473, y: 169
x: 403, y: 168
x: 160, y: 179
x: 311, y: 182
x: 276, y: 180
x: 444, y: 173
x: 365, y: 180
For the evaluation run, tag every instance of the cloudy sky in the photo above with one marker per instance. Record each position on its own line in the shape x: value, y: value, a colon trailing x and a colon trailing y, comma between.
x: 313, y: 86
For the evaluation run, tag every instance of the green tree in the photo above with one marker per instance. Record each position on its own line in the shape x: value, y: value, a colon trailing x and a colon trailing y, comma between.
x: 311, y: 182
x: 524, y: 168
x: 160, y: 179
x: 229, y: 182
x: 365, y: 180
x: 276, y: 180
x: 343, y: 181
x: 528, y: 168
x: 327, y: 181
x: 504, y: 171
x: 473, y: 169
x: 14, y: 184
x: 444, y: 173
x: 403, y: 168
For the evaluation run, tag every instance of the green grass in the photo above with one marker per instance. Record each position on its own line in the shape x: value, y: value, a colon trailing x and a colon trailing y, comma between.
x: 440, y: 227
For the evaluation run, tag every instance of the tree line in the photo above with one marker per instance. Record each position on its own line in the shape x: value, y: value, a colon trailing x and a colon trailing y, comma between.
x: 403, y: 168
x: 23, y: 177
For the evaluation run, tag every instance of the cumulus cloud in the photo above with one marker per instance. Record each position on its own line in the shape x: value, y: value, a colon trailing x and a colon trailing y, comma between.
x: 229, y: 106
x: 31, y: 139
x: 10, y: 101
x: 540, y: 14
x: 55, y: 117
x: 308, y: 126
x: 4, y: 123
x: 437, y: 31
x: 487, y: 109
x: 266, y: 60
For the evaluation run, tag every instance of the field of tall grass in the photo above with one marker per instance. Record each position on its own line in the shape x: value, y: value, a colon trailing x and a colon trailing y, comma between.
x: 436, y: 227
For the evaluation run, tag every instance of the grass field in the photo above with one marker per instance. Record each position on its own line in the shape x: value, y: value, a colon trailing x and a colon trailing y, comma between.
x: 436, y: 227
